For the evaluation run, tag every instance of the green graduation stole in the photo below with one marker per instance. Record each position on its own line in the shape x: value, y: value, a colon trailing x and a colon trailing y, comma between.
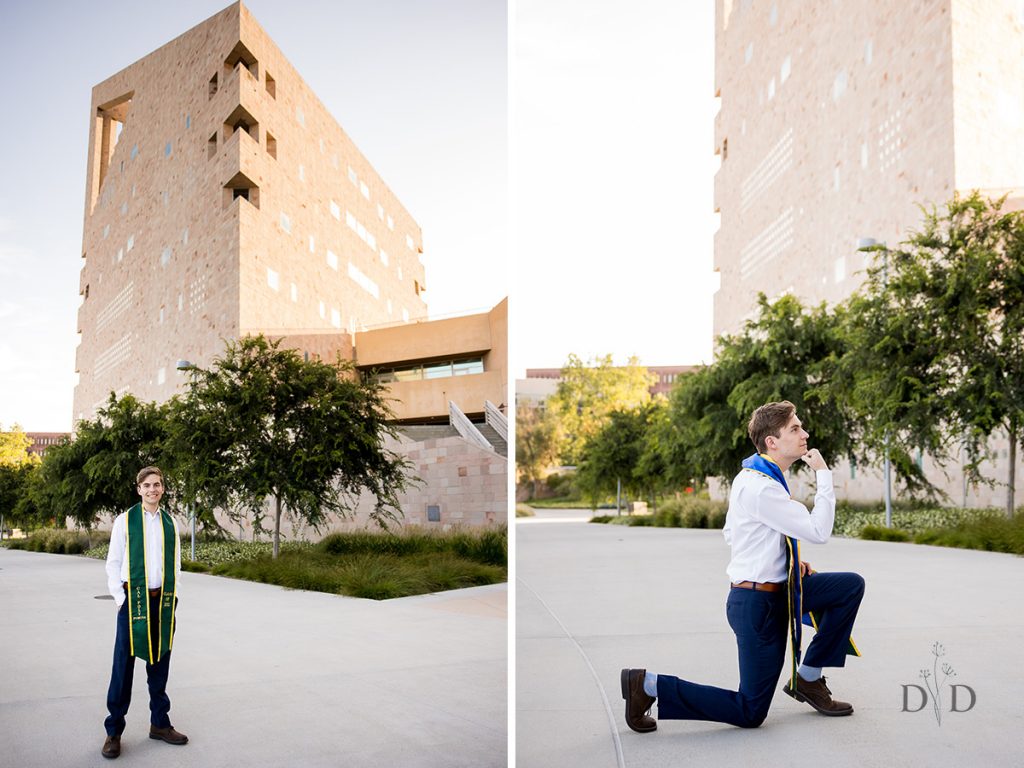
x: 140, y: 637
x: 764, y: 465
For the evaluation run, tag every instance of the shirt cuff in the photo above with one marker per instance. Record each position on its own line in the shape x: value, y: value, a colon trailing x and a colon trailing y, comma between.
x: 823, y: 477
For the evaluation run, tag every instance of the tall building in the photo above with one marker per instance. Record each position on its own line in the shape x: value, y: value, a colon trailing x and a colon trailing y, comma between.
x: 838, y: 121
x: 223, y: 199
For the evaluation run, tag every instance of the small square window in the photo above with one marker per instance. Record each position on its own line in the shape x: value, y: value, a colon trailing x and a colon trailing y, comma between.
x: 433, y: 513
x: 273, y: 279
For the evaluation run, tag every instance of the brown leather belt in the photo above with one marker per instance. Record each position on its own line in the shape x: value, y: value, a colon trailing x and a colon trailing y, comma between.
x: 759, y: 586
x: 152, y: 592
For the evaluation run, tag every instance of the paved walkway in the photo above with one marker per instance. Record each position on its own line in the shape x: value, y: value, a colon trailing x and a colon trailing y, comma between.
x: 261, y: 676
x: 591, y: 599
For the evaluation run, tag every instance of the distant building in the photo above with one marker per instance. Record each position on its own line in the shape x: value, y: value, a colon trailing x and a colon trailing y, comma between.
x: 41, y: 441
x: 535, y: 389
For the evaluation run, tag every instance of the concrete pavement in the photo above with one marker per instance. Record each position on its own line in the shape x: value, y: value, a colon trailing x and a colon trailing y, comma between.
x: 260, y: 676
x: 592, y: 599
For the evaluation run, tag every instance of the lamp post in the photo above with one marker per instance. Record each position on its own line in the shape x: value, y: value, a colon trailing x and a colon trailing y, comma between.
x: 870, y: 244
x: 185, y: 365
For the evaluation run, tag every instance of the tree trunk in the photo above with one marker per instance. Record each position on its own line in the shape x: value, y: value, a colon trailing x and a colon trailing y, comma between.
x: 1012, y: 474
x: 277, y: 525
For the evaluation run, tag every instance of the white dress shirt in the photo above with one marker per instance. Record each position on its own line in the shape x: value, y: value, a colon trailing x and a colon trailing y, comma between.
x: 117, y: 558
x: 761, y: 514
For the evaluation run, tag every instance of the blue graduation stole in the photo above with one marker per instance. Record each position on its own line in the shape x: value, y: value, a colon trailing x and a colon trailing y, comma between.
x: 765, y: 465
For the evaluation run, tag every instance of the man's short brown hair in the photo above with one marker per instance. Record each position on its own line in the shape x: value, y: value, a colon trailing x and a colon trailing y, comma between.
x: 146, y: 472
x: 769, y: 419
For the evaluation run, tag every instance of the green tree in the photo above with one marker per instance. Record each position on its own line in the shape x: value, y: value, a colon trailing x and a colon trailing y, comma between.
x: 536, y: 444
x: 589, y: 392
x: 95, y: 472
x: 614, y: 454
x: 16, y: 467
x: 261, y: 422
x: 787, y: 352
x: 941, y: 352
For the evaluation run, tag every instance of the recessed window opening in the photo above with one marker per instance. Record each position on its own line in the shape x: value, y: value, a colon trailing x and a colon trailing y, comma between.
x: 271, y: 86
x: 272, y: 146
x: 211, y: 147
x: 242, y: 186
x: 240, y: 55
x: 111, y: 119
x: 213, y: 85
x: 241, y: 120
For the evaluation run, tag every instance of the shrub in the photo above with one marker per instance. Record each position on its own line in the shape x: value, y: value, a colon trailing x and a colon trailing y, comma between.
x: 523, y: 510
x: 487, y: 545
x: 879, y: 533
x: 992, y: 532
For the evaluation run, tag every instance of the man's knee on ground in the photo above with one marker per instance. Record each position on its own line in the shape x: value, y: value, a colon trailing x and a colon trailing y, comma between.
x: 753, y: 715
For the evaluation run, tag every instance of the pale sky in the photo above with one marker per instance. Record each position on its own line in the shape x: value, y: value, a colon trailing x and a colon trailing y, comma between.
x: 561, y: 154
x: 612, y: 107
x: 419, y: 85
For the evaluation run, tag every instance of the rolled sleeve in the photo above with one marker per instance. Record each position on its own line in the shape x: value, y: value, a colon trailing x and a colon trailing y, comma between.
x: 781, y: 513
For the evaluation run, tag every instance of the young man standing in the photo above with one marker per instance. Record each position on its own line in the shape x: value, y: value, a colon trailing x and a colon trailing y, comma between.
x: 143, y: 565
x: 768, y: 594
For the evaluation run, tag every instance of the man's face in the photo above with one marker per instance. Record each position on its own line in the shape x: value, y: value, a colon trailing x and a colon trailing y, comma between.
x: 791, y: 442
x: 151, y: 489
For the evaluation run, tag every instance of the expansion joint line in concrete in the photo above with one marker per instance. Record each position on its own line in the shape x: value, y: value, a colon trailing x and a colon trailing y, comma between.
x: 597, y: 680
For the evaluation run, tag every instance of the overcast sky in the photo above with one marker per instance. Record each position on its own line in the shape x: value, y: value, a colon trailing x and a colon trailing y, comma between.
x: 613, y: 108
x: 607, y: 187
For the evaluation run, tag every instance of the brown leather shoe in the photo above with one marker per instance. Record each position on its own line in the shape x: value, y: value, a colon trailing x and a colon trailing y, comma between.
x: 638, y: 703
x: 111, y: 747
x: 818, y: 696
x: 167, y: 734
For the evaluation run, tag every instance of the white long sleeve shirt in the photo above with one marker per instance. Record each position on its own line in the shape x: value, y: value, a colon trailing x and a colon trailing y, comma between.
x: 117, y: 557
x: 761, y: 514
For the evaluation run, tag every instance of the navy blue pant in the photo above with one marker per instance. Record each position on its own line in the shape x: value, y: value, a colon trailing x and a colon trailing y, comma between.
x: 119, y: 695
x: 760, y: 621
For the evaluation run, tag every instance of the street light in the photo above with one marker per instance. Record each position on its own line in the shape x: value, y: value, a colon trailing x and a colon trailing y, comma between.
x: 186, y: 365
x: 870, y: 244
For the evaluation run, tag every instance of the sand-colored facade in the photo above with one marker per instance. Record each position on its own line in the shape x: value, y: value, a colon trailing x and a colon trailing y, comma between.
x: 838, y: 121
x: 231, y: 202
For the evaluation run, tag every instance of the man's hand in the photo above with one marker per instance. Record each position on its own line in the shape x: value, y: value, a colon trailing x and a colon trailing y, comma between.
x: 805, y: 569
x: 814, y: 460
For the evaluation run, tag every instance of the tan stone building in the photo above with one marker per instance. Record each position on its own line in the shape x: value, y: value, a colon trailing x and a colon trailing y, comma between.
x: 837, y: 121
x: 223, y: 199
